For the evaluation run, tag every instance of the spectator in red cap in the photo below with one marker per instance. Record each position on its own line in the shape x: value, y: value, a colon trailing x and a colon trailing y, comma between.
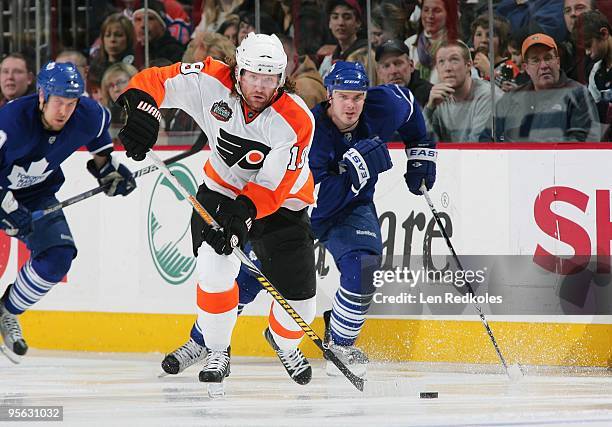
x: 345, y: 21
x: 551, y: 107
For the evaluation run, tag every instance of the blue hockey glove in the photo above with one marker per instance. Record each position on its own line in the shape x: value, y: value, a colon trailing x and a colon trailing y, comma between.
x: 235, y: 217
x: 366, y: 159
x: 421, y: 169
x: 116, y: 177
x: 15, y: 218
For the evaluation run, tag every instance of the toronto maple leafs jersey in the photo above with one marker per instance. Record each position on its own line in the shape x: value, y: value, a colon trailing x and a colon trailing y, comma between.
x: 30, y: 155
x: 263, y: 156
x: 388, y: 109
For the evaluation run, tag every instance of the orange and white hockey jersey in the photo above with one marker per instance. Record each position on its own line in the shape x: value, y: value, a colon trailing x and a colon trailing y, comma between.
x: 264, y: 157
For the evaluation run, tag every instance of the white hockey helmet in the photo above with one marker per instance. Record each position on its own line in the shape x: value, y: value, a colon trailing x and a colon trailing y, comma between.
x: 261, y: 53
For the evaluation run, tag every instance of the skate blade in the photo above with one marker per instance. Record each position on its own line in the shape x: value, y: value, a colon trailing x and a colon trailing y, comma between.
x: 15, y: 358
x: 358, y: 369
x: 216, y: 390
x: 162, y: 374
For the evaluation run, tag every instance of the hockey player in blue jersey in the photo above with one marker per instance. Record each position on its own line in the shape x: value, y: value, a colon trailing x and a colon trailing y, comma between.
x: 347, y: 155
x: 37, y: 133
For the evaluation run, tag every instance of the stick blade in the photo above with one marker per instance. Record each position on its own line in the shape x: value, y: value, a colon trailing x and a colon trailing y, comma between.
x: 358, y: 382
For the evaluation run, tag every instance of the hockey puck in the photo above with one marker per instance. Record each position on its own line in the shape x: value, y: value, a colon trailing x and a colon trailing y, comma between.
x: 428, y: 395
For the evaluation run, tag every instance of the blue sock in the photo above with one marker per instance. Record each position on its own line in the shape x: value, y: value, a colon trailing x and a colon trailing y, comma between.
x: 37, y: 276
x: 352, y: 299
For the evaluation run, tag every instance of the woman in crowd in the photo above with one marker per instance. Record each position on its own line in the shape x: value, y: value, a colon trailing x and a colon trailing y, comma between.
x: 438, y: 22
x: 117, y: 44
x: 229, y: 28
x: 388, y: 22
x: 115, y: 79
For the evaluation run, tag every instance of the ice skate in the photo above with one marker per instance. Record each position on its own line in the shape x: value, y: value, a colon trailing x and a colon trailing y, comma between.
x: 216, y: 369
x: 183, y: 357
x: 14, y: 345
x: 353, y: 357
x: 295, y: 363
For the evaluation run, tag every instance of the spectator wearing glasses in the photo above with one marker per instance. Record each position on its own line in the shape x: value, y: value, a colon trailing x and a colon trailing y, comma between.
x: 551, y: 107
x: 115, y: 80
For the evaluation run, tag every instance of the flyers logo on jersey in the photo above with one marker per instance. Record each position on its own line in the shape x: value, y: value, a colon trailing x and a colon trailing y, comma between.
x: 221, y: 111
x: 246, y: 153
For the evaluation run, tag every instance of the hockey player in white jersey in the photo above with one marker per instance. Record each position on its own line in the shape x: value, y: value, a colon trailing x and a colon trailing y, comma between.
x: 257, y: 185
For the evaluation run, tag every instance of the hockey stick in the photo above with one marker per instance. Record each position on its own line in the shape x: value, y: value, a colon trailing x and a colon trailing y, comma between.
x: 469, y: 285
x: 265, y: 283
x: 195, y: 148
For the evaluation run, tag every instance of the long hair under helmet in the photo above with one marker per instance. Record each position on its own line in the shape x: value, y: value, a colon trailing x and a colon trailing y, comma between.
x: 263, y: 54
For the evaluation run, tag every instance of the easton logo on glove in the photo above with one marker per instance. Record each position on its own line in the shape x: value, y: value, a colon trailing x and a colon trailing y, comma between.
x: 359, y: 164
x: 151, y: 109
x: 416, y: 153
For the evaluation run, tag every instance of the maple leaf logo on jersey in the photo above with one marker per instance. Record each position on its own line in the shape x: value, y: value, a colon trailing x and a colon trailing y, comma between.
x: 221, y: 111
x: 35, y: 174
x: 246, y: 153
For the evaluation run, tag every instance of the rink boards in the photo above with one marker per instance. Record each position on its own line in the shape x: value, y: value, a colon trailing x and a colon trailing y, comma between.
x: 132, y: 286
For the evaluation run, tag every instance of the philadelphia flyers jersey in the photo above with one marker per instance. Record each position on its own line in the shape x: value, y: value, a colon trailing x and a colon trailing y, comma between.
x: 261, y: 156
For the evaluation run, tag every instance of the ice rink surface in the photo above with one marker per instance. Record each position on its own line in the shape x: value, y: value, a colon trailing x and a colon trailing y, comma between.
x: 123, y: 389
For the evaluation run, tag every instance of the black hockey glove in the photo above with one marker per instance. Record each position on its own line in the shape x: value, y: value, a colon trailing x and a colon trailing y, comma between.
x: 365, y: 160
x: 140, y: 131
x: 235, y: 218
x: 421, y: 169
x: 116, y: 177
x: 15, y: 218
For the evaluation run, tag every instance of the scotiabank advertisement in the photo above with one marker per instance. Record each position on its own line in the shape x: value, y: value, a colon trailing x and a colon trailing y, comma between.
x: 533, y: 226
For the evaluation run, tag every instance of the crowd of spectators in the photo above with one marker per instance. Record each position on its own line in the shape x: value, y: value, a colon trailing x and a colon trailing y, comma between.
x: 544, y: 74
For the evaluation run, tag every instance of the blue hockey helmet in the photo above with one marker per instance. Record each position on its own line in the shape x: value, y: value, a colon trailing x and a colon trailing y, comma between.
x: 60, y: 79
x: 347, y: 76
